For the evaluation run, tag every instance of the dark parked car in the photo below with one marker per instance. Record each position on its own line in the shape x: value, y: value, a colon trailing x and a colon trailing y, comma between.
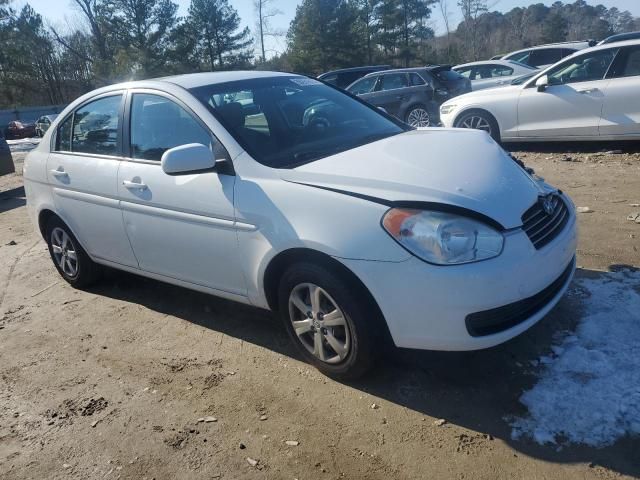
x: 346, y: 76
x: 414, y: 95
x: 6, y: 162
x: 17, y: 129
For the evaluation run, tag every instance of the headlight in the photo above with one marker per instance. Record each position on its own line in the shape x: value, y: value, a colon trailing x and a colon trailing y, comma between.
x: 445, y: 109
x: 442, y: 238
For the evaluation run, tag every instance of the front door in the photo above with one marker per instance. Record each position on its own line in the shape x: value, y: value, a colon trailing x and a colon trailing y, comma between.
x: 179, y: 226
x: 572, y: 103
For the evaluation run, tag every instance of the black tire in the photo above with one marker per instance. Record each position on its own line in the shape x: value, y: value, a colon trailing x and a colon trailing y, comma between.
x: 87, y: 271
x: 415, y: 108
x: 356, y: 312
x: 469, y: 117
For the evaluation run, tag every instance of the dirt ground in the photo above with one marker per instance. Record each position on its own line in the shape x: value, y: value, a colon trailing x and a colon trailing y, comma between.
x: 111, y: 382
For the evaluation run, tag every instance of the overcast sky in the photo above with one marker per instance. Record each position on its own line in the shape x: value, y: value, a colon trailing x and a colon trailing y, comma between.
x: 61, y: 12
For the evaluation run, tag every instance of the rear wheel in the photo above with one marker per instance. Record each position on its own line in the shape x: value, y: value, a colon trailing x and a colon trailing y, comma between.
x: 69, y: 258
x: 418, y: 116
x: 479, y: 120
x: 331, y: 327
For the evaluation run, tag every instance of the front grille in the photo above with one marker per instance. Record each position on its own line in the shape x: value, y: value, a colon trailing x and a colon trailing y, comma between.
x: 542, y: 226
x: 502, y: 318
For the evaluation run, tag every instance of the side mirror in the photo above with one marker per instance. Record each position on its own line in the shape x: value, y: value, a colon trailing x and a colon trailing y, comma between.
x: 542, y: 83
x: 187, y: 159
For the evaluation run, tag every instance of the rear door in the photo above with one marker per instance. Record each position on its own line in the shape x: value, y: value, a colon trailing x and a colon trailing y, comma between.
x: 572, y: 103
x: 83, y: 172
x: 392, y: 92
x: 621, y: 110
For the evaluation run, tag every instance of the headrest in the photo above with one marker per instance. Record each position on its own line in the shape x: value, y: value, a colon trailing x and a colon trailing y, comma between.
x: 233, y: 114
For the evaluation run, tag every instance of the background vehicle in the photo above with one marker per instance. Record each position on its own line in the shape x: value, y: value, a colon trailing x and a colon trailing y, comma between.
x: 346, y: 76
x: 17, y: 129
x: 620, y: 37
x: 494, y: 73
x: 541, y: 56
x: 6, y: 161
x: 259, y: 215
x: 43, y: 124
x: 591, y: 95
x: 411, y: 94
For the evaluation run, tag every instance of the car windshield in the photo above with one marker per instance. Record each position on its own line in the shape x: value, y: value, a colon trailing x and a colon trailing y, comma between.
x: 523, y: 78
x: 284, y: 122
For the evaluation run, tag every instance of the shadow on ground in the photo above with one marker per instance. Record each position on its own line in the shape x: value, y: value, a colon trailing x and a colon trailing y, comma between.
x: 14, y: 198
x: 575, y: 147
x: 476, y: 390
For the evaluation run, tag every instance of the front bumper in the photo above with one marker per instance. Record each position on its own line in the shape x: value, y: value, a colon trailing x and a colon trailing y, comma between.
x: 427, y: 306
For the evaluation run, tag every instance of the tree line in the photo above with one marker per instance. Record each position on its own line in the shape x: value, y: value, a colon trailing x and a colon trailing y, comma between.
x: 133, y: 39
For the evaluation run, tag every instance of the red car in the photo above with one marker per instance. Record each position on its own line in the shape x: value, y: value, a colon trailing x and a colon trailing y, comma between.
x: 17, y: 129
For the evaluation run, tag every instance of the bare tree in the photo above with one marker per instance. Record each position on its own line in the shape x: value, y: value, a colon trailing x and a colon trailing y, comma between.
x: 444, y: 11
x: 265, y: 11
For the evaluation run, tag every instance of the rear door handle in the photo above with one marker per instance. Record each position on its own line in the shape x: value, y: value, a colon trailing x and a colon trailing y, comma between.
x: 59, y: 172
x: 134, y: 185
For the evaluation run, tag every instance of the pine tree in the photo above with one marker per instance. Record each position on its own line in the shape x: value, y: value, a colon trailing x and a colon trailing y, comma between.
x: 324, y: 35
x: 218, y: 38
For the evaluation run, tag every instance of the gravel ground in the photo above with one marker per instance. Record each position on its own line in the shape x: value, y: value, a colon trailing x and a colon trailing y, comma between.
x: 138, y: 379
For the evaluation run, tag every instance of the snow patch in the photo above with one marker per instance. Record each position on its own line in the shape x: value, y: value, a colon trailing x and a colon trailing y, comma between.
x: 589, y: 388
x: 23, y: 144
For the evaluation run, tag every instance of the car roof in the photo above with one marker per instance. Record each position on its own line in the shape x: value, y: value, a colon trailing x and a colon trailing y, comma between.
x: 619, y: 37
x: 397, y: 70
x: 506, y: 63
x: 550, y: 45
x: 355, y: 69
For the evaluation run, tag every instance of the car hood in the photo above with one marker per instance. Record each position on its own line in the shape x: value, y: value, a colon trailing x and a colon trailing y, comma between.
x: 508, y: 91
x: 458, y: 167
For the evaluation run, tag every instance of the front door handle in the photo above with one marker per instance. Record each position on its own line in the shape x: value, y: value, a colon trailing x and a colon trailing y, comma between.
x: 134, y: 185
x: 588, y: 90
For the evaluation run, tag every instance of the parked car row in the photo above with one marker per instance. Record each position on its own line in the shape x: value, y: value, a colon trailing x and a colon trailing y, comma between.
x: 590, y: 95
x: 411, y: 94
x: 18, y: 129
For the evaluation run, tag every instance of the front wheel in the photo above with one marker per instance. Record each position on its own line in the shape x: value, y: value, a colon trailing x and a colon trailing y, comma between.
x: 329, y: 325
x: 479, y: 120
x: 418, y: 116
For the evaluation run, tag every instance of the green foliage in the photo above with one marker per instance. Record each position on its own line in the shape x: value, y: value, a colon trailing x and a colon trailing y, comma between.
x: 214, y: 26
x: 128, y: 39
x: 324, y: 35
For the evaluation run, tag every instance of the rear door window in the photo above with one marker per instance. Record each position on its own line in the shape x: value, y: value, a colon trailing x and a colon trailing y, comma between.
x: 545, y: 56
x: 416, y: 79
x: 630, y: 65
x: 95, y: 127
x: 363, y: 86
x: 393, y: 81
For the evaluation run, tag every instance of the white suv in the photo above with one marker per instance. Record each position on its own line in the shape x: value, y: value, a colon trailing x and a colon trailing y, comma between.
x: 282, y: 192
x: 591, y: 95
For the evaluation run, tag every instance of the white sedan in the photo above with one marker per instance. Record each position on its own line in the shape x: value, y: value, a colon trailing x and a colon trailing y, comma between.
x: 590, y: 95
x: 279, y: 191
x: 492, y: 73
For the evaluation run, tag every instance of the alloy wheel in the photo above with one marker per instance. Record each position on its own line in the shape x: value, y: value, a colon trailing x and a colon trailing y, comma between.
x: 64, y: 252
x: 319, y: 323
x: 418, y: 117
x: 476, y: 122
